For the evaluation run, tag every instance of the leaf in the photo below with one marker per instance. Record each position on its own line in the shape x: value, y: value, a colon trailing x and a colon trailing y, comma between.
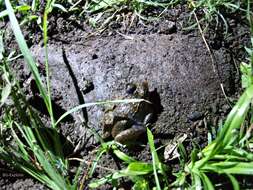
x: 155, y: 159
x: 5, y: 93
x: 3, y: 13
x: 25, y: 51
x: 249, y: 51
x: 233, y: 122
x: 103, y: 4
x: 109, y: 178
x: 1, y: 46
x: 94, y: 163
x: 234, y: 182
x: 196, y: 182
x: 23, y: 8
x: 61, y: 7
x: 96, y: 183
x: 139, y: 168
x: 226, y: 167
x: 141, y: 185
x: 121, y: 155
x: 246, y: 77
x: 206, y: 181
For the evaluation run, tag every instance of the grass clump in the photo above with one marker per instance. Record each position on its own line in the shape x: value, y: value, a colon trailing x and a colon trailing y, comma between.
x: 33, y: 147
x: 38, y: 154
x: 140, y: 173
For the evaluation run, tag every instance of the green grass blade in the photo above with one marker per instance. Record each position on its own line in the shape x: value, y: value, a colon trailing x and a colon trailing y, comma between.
x: 40, y: 177
x: 94, y: 163
x: 121, y: 155
x: 50, y: 170
x: 233, y: 122
x: 21, y: 146
x: 206, y: 182
x: 196, y: 182
x: 45, y: 40
x: 96, y: 183
x: 125, y: 101
x: 25, y: 51
x: 155, y: 159
x: 226, y: 167
x: 234, y: 182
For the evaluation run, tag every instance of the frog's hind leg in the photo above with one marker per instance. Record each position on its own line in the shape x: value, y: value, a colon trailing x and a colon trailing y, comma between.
x: 131, y: 135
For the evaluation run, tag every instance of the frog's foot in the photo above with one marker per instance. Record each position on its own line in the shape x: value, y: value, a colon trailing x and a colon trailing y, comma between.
x: 131, y: 135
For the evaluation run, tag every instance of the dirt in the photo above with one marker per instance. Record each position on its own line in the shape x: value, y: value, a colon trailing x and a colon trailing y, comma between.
x: 178, y: 67
x: 11, y: 179
x: 176, y: 64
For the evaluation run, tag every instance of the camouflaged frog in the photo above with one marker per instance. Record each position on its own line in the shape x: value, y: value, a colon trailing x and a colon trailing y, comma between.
x: 127, y: 122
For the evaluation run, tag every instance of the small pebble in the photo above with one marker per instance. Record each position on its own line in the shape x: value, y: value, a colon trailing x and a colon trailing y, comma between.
x: 94, y: 56
x: 195, y: 116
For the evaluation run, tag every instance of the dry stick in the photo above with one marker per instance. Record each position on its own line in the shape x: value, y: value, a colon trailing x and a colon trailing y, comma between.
x: 211, y: 56
x: 84, y: 178
x: 206, y: 44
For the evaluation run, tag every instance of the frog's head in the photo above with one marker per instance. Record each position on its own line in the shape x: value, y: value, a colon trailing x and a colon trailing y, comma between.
x: 138, y: 90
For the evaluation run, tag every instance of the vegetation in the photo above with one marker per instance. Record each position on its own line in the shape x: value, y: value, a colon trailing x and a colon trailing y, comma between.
x: 30, y: 146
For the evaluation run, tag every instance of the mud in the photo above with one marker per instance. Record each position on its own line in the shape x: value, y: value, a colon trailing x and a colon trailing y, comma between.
x: 177, y: 66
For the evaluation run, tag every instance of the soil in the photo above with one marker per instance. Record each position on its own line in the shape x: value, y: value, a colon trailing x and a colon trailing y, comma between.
x: 176, y: 64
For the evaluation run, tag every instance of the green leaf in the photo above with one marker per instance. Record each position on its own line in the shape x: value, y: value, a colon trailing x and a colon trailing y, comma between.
x: 233, y: 123
x: 23, y: 8
x: 234, y: 182
x: 121, y: 155
x: 25, y: 51
x: 246, y: 78
x: 108, y: 178
x: 227, y: 167
x: 103, y: 4
x: 3, y: 13
x: 141, y: 185
x: 249, y: 51
x: 206, y: 181
x: 96, y: 183
x: 94, y: 163
x: 196, y: 181
x: 155, y: 159
x: 139, y: 168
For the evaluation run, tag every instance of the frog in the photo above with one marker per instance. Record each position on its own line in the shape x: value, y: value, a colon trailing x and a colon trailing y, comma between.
x: 126, y: 123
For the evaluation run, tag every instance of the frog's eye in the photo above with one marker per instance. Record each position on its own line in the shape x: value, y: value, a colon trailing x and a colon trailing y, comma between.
x: 130, y: 88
